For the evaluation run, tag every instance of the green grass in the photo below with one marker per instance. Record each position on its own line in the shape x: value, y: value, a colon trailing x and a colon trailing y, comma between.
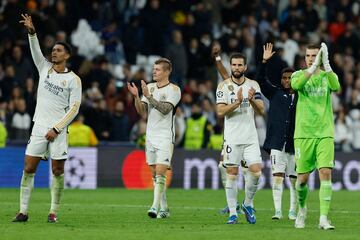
x: 121, y: 214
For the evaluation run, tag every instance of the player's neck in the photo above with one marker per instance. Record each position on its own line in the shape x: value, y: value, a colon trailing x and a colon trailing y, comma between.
x: 239, y: 80
x: 59, y: 67
x: 162, y: 83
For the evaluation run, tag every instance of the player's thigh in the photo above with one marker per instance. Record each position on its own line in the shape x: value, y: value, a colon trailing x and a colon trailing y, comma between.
x: 325, y: 153
x: 278, y: 161
x: 150, y: 154
x: 252, y: 154
x: 59, y: 147
x: 37, y: 145
x: 290, y: 166
x: 305, y: 155
x: 233, y: 154
x: 164, y: 153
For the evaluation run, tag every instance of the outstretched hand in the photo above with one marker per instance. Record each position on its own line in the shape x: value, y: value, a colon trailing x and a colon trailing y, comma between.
x: 268, y: 51
x: 215, y: 50
x: 27, y: 21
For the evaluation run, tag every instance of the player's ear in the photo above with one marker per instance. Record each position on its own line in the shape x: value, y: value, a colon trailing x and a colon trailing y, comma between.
x: 67, y: 56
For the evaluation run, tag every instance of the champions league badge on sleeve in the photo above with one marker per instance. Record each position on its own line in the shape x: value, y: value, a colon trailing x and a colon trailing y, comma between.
x: 220, y: 94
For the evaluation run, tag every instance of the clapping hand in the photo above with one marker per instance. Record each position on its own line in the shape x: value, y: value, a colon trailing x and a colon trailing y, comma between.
x: 133, y: 89
x: 145, y: 89
x: 251, y: 93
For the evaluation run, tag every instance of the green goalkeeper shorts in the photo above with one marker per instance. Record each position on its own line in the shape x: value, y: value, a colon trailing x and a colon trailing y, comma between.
x: 313, y: 153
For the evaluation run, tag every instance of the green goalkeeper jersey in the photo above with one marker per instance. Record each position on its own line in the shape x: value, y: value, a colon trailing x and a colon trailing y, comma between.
x: 314, y: 113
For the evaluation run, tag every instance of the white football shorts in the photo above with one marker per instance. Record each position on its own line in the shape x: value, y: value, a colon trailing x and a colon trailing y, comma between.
x: 282, y: 162
x: 159, y: 153
x: 38, y: 146
x: 249, y: 153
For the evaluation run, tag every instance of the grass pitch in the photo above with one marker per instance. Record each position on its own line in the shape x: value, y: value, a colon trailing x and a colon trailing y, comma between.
x: 121, y: 214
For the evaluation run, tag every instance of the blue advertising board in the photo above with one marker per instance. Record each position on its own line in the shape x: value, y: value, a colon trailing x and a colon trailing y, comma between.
x: 12, y: 165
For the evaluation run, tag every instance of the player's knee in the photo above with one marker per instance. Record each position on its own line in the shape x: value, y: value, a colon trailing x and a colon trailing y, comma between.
x: 231, y: 177
x: 57, y: 171
x: 29, y: 168
x: 278, y: 180
x: 256, y: 174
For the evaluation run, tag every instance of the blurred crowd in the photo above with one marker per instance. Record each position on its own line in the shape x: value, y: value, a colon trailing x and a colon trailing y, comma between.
x: 117, y: 41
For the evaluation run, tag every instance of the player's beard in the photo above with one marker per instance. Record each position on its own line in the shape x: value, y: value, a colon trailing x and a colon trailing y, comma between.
x: 237, y: 75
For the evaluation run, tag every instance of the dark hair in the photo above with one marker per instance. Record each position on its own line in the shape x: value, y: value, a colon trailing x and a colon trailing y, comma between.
x: 238, y: 55
x: 312, y: 46
x: 286, y: 70
x: 66, y: 46
x: 165, y: 63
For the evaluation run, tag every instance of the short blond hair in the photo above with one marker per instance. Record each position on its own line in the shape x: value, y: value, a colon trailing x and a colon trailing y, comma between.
x: 166, y: 63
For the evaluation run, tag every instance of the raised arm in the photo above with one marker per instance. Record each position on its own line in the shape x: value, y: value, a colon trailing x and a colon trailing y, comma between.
x: 74, y: 105
x: 215, y: 52
x: 35, y: 49
x: 267, y: 88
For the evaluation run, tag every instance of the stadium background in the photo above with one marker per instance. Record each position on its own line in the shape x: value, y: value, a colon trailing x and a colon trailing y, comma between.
x: 117, y: 41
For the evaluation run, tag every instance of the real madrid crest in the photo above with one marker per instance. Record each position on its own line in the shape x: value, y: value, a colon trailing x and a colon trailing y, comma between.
x: 231, y: 88
x: 63, y: 83
x: 152, y: 90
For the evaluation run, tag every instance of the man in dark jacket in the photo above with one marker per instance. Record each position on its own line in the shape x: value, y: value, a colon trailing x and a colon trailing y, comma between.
x: 279, y: 142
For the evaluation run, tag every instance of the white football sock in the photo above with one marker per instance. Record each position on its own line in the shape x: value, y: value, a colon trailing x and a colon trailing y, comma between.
x: 231, y: 191
x: 277, y: 191
x: 27, y: 184
x: 57, y: 189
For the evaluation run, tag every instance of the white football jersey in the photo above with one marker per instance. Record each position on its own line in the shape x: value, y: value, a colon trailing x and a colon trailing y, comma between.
x: 239, y: 126
x: 58, y: 94
x: 160, y: 126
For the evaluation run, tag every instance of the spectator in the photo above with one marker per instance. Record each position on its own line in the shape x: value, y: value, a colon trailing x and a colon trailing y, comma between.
x: 20, y: 123
x: 177, y: 54
x: 120, y: 123
x: 22, y: 66
x: 180, y: 126
x: 198, y: 129
x: 3, y: 135
x: 81, y: 135
x: 342, y: 132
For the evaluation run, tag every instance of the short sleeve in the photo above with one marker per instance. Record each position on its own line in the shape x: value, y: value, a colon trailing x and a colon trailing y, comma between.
x: 174, y: 96
x: 221, y: 94
x: 257, y: 90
